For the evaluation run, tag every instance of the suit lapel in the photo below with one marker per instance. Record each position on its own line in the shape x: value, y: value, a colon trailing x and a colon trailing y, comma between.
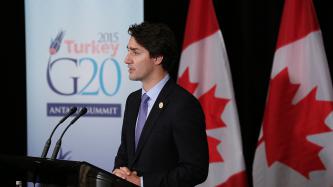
x: 153, y: 116
x: 134, y: 106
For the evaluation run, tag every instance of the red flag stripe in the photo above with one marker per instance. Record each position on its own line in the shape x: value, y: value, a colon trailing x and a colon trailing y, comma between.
x: 196, y: 19
x: 298, y: 20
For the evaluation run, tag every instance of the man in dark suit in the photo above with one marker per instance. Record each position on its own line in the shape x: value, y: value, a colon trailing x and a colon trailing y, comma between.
x: 163, y: 141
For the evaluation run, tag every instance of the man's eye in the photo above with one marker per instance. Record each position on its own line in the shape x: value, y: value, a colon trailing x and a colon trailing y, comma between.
x: 133, y: 52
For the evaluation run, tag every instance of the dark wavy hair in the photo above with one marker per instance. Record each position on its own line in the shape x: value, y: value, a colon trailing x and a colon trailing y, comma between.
x: 158, y: 39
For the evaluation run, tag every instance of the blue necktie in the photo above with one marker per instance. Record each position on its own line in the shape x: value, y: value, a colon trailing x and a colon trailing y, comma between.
x: 141, y: 118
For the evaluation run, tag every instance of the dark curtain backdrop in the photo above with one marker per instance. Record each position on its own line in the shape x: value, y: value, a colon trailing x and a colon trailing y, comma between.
x: 249, y: 28
x: 12, y: 79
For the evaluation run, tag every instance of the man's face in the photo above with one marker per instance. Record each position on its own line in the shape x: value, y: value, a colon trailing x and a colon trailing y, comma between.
x: 138, y: 60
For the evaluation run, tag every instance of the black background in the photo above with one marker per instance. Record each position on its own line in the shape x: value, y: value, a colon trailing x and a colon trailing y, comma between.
x: 249, y: 28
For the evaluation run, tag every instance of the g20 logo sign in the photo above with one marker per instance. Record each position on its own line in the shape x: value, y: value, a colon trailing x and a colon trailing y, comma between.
x: 97, y: 74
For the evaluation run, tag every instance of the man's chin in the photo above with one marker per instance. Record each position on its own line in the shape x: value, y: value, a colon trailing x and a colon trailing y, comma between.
x: 133, y: 78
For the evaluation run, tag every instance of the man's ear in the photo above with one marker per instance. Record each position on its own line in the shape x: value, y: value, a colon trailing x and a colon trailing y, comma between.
x: 158, y: 60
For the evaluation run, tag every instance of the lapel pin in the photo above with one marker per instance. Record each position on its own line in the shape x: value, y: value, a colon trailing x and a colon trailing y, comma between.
x: 160, y: 105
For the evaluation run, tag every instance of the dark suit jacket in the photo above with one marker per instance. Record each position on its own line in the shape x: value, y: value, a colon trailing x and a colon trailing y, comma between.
x: 173, y: 148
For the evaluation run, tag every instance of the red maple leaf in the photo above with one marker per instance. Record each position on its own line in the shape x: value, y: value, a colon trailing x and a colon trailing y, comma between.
x: 286, y: 126
x: 184, y: 81
x: 214, y: 155
x: 237, y: 179
x: 213, y: 108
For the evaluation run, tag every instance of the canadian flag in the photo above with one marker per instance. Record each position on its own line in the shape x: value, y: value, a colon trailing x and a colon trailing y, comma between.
x: 204, y: 71
x: 295, y: 147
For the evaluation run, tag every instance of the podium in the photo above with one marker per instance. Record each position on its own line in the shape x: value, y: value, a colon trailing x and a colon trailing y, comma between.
x: 60, y: 173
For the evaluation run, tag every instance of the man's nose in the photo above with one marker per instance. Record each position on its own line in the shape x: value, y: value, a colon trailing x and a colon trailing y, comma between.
x: 127, y: 59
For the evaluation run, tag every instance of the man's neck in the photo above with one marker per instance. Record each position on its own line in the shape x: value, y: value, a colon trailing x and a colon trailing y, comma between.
x: 154, y: 79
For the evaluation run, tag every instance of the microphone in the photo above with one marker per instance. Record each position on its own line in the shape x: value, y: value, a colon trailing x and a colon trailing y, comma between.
x: 48, y: 142
x: 58, y: 145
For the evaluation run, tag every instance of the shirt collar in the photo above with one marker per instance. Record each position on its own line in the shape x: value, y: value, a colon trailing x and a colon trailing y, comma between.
x: 154, y: 91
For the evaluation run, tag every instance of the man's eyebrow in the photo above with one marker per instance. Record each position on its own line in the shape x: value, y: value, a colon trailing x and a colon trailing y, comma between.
x: 132, y: 48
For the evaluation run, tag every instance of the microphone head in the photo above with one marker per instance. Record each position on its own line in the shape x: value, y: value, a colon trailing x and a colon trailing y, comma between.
x: 69, y: 113
x: 83, y: 111
x: 72, y: 110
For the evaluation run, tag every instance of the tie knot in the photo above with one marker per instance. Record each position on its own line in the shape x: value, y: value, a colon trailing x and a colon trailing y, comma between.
x: 144, y: 98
